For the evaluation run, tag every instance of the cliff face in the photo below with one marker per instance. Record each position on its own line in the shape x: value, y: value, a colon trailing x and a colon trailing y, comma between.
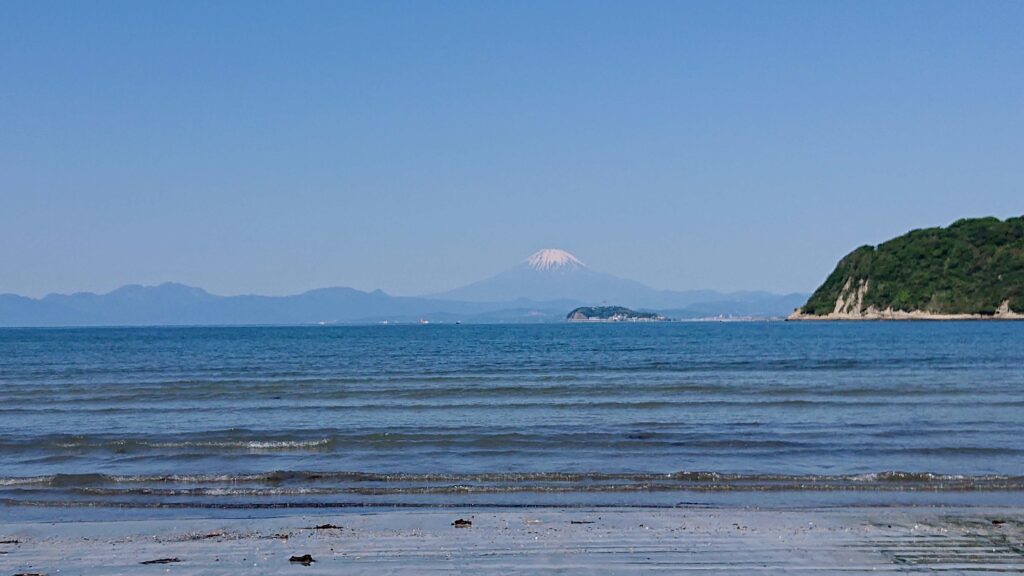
x: 973, y: 269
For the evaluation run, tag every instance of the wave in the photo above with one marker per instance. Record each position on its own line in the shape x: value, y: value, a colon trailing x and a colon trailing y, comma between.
x: 236, y: 439
x: 245, y: 444
x: 498, y: 367
x: 200, y: 393
x: 655, y: 439
x: 527, y: 481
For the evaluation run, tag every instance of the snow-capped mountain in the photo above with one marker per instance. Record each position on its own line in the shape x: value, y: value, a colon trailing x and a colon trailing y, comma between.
x: 555, y: 274
x: 553, y: 259
x: 550, y: 274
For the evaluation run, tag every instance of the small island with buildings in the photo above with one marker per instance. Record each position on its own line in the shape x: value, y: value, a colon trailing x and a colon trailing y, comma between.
x: 612, y: 314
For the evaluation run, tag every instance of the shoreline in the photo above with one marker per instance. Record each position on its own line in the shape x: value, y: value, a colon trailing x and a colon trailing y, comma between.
x: 901, y: 316
x: 602, y: 540
x: 852, y: 308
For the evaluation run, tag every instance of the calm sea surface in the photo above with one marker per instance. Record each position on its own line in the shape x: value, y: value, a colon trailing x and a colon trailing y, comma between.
x: 424, y: 415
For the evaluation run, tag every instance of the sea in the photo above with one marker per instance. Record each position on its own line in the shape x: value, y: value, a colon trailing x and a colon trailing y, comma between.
x: 183, y: 419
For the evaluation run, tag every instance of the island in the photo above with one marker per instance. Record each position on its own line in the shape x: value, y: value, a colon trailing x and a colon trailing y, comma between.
x: 971, y: 270
x: 611, y: 314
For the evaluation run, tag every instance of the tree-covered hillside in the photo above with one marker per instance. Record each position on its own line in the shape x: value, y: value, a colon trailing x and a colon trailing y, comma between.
x: 610, y: 313
x: 971, y: 267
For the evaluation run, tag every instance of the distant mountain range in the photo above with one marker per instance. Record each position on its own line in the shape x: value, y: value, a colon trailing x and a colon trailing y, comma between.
x: 543, y: 288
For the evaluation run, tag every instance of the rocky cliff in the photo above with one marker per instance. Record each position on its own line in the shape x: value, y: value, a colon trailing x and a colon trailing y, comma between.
x: 973, y: 269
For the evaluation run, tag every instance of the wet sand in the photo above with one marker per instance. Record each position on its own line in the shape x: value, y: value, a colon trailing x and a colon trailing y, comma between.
x: 533, y: 541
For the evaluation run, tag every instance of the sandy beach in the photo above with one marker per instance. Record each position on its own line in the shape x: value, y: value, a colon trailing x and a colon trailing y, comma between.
x: 532, y: 541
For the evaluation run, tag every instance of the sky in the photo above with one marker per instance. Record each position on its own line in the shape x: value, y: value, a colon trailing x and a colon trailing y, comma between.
x: 274, y: 147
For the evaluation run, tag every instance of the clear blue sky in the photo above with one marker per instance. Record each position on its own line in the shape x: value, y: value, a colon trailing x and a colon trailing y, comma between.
x: 415, y: 146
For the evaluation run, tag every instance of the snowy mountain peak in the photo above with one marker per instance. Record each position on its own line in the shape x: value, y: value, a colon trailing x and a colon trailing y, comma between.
x: 553, y: 259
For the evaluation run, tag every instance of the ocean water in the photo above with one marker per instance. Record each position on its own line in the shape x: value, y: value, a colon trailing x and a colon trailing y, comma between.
x: 645, y: 414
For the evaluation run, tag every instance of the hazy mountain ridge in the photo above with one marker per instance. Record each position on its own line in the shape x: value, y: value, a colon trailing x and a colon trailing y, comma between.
x: 177, y: 304
x: 541, y: 289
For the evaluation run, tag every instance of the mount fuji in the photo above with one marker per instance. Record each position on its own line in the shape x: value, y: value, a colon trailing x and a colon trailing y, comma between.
x: 555, y: 274
x: 551, y: 274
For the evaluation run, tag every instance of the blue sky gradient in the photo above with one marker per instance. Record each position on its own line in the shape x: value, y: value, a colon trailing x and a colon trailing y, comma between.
x: 416, y: 146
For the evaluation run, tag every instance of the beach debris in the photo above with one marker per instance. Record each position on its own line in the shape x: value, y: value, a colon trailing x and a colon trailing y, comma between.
x: 462, y: 523
x: 327, y: 527
x: 30, y: 574
x: 10, y: 542
x: 998, y: 522
x: 161, y: 561
x: 581, y: 521
x: 208, y: 536
x: 305, y: 559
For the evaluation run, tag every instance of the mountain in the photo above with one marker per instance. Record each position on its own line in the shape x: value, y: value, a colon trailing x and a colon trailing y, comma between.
x: 972, y: 269
x: 540, y: 289
x: 177, y: 304
x: 549, y: 274
x: 556, y: 274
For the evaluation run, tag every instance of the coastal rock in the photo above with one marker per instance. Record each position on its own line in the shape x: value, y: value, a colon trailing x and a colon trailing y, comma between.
x: 161, y: 561
x: 305, y: 559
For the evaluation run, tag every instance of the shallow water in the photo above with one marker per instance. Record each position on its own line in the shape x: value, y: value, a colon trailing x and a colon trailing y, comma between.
x: 448, y: 414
